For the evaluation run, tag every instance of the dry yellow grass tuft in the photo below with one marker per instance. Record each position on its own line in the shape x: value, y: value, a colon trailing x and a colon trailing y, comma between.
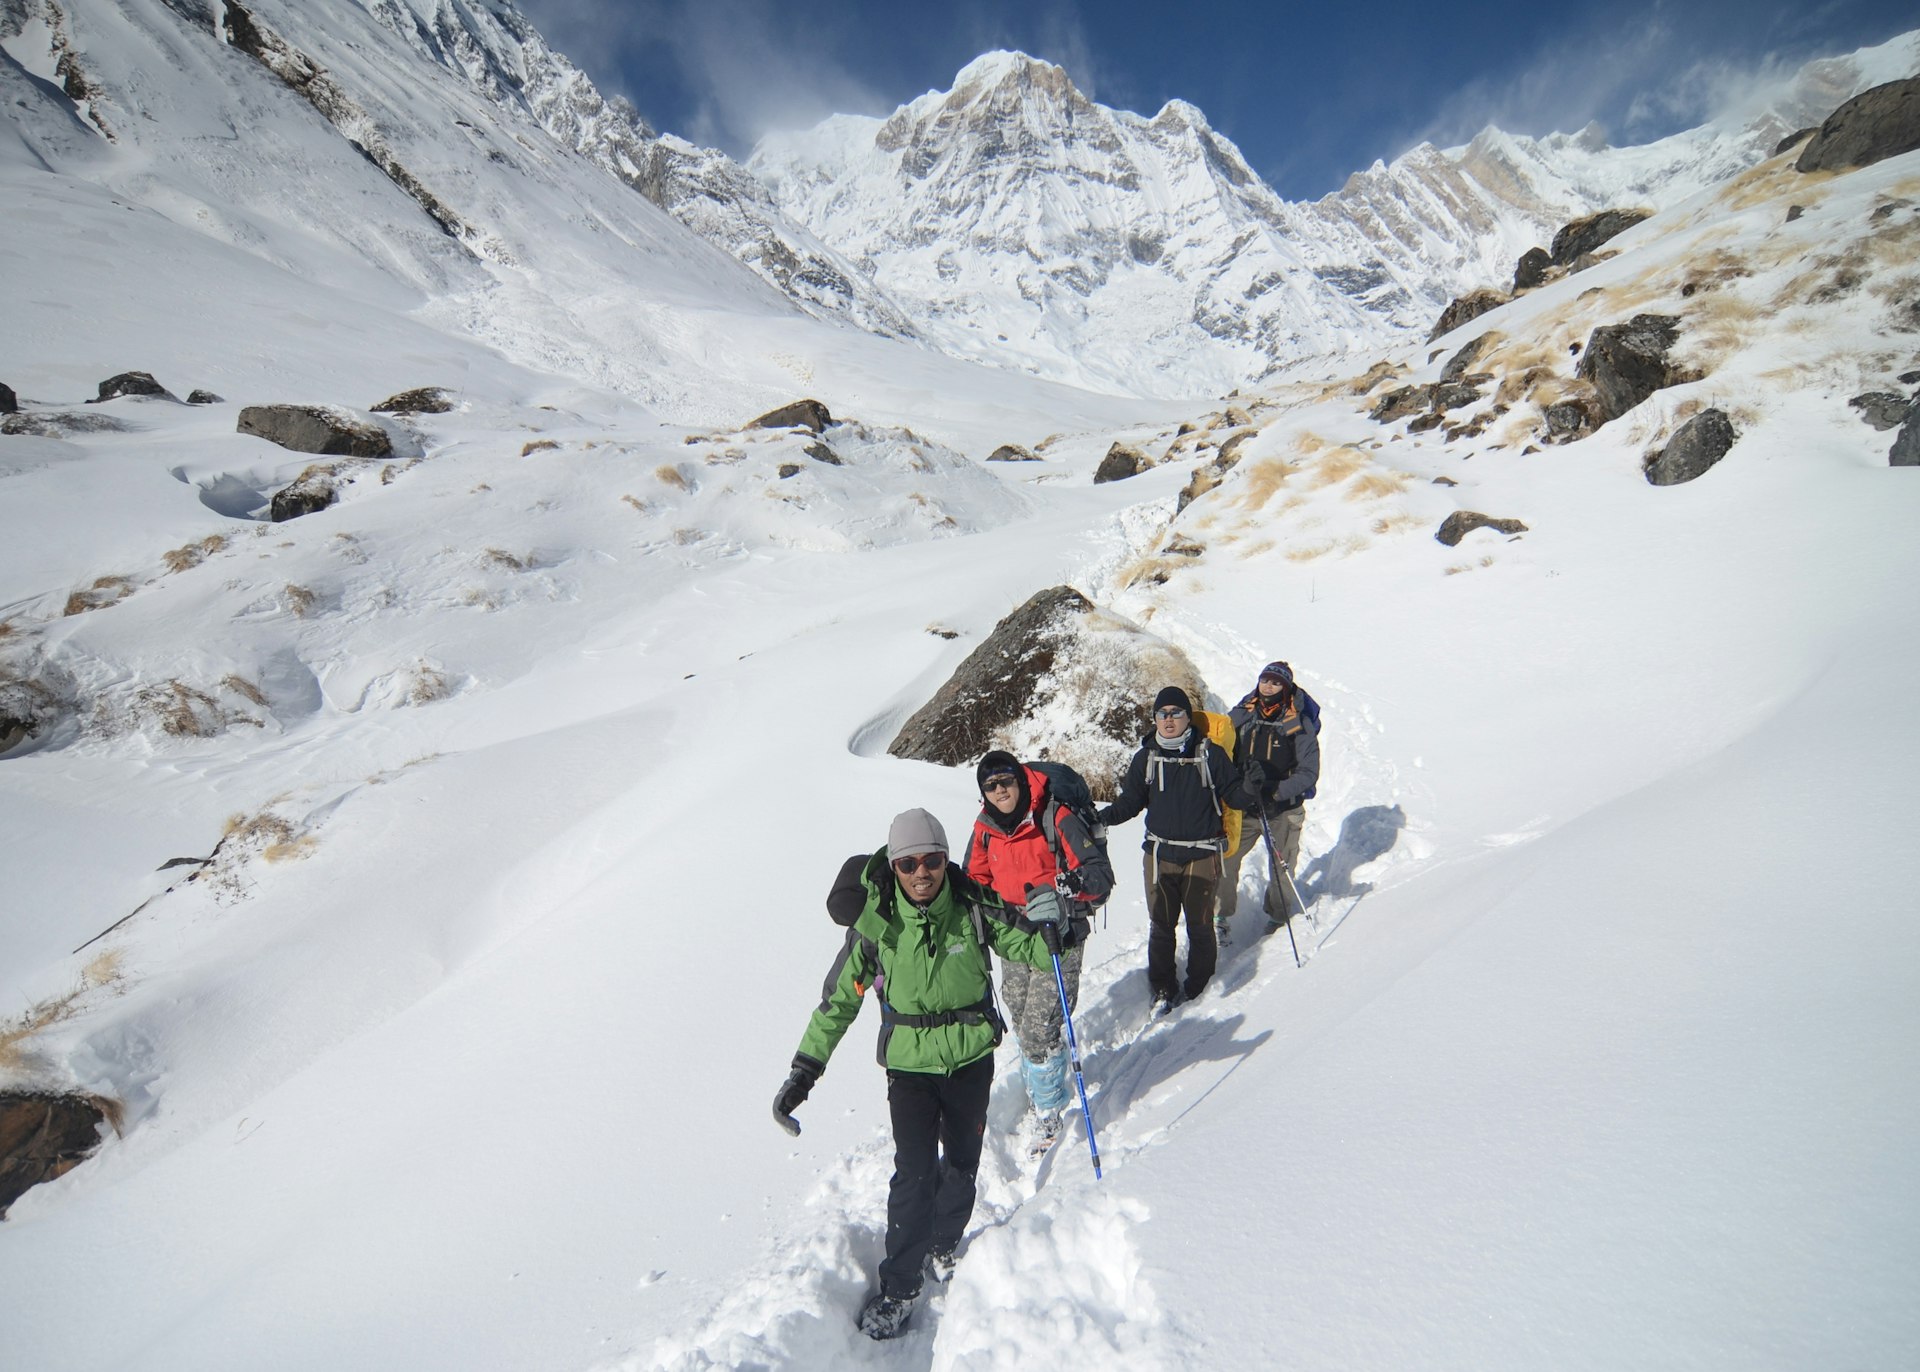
x: 543, y: 445
x: 669, y: 475
x: 1336, y: 466
x: 1307, y: 552
x: 504, y: 561
x: 193, y: 554
x: 240, y: 686
x: 1263, y: 477
x: 299, y: 599
x: 1376, y: 485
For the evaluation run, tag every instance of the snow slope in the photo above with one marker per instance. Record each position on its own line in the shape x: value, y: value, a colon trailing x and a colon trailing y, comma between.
x: 459, y: 1051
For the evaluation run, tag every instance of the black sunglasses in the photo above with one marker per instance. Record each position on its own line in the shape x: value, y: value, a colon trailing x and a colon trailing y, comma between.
x: 907, y: 866
x: 1006, y: 781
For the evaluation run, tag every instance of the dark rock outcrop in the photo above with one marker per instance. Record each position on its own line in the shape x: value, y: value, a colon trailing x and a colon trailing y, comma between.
x: 1568, y: 420
x: 312, y: 491
x: 1628, y: 362
x: 1055, y: 656
x: 1454, y: 395
x: 132, y: 383
x: 1469, y: 306
x: 1531, y: 269
x: 1120, y: 463
x: 60, y: 423
x: 1906, y: 448
x: 801, y: 414
x: 1457, y: 365
x: 1699, y: 443
x: 1463, y: 522
x: 1794, y: 212
x: 1011, y: 452
x: 820, y: 452
x: 788, y: 469
x: 44, y: 1135
x: 315, y: 429
x: 9, y: 402
x: 1883, y: 409
x: 1793, y: 139
x: 1401, y: 402
x: 1874, y: 125
x: 1583, y: 236
x: 419, y: 400
x: 205, y: 398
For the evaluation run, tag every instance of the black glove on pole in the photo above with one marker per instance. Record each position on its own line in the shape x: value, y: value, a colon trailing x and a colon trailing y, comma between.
x: 796, y: 1088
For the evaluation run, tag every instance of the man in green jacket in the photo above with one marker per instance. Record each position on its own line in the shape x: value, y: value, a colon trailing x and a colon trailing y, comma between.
x: 919, y: 943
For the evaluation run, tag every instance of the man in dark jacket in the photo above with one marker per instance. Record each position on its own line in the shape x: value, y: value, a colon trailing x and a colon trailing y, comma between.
x: 920, y: 944
x: 1184, y: 781
x: 1279, y: 754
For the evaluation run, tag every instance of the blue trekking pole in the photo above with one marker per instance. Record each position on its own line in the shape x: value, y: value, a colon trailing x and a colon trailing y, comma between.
x: 1050, y: 930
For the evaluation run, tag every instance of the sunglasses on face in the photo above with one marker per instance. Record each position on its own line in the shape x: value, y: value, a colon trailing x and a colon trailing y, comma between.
x: 999, y: 783
x: 1171, y: 713
x: 907, y: 866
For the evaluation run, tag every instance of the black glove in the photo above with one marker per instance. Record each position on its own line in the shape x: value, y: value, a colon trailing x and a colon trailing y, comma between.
x: 1070, y: 883
x: 797, y: 1087
x: 1253, y: 777
x: 1074, y: 932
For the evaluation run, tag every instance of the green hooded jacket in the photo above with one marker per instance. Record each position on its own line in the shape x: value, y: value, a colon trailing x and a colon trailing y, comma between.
x: 928, y: 969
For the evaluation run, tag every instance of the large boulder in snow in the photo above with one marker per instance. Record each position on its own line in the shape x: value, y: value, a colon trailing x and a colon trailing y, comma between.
x: 1628, y: 362
x: 1700, y: 442
x: 312, y: 491
x: 801, y: 414
x: 1880, y: 123
x: 1531, y: 269
x: 1883, y: 409
x: 1057, y: 678
x: 43, y: 1135
x: 1463, y: 522
x: 1462, y: 361
x: 1469, y: 306
x: 132, y: 383
x: 1906, y: 448
x: 419, y: 400
x: 199, y: 397
x: 1011, y: 452
x: 316, y: 429
x: 1120, y: 463
x: 9, y: 402
x: 1583, y: 236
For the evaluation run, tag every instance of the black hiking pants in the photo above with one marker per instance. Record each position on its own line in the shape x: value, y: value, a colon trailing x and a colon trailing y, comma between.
x: 939, y: 1123
x: 1174, y: 890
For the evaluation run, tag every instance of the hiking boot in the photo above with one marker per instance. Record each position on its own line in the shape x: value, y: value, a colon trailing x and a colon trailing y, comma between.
x: 940, y: 1264
x: 1222, y: 932
x: 885, y: 1317
x: 1045, y: 1133
x: 1162, y: 1005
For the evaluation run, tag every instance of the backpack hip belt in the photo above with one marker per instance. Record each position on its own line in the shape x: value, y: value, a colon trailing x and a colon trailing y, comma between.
x: 984, y: 1011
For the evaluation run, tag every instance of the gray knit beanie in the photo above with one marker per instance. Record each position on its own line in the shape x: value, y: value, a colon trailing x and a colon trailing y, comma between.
x: 915, y: 831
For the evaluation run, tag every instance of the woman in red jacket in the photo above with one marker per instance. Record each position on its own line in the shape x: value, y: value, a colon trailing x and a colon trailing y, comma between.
x: 1010, y: 851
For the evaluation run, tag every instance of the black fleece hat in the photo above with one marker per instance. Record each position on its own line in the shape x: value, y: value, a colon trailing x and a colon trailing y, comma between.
x: 1172, y: 695
x: 997, y: 763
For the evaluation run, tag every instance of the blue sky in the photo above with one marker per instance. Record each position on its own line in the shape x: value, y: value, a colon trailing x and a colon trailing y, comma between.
x: 1309, y: 92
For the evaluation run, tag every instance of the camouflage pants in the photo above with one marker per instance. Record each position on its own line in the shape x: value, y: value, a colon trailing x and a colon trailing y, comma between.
x: 1286, y: 826
x: 1032, y: 1002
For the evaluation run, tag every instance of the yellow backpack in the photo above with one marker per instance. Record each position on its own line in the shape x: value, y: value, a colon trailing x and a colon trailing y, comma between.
x: 1220, y: 729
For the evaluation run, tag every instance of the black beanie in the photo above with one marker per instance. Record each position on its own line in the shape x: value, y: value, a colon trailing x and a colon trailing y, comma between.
x: 994, y: 764
x: 1172, y: 695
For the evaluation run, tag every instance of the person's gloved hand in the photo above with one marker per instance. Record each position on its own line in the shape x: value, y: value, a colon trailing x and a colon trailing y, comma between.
x: 1070, y: 883
x: 1254, y: 777
x: 797, y: 1087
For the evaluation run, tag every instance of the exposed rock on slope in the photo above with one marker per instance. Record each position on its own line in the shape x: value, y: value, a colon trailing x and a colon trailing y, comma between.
x: 1700, y: 442
x: 1879, y: 123
x: 1056, y: 678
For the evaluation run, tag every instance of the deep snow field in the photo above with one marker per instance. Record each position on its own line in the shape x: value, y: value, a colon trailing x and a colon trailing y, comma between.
x: 1605, y: 1054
